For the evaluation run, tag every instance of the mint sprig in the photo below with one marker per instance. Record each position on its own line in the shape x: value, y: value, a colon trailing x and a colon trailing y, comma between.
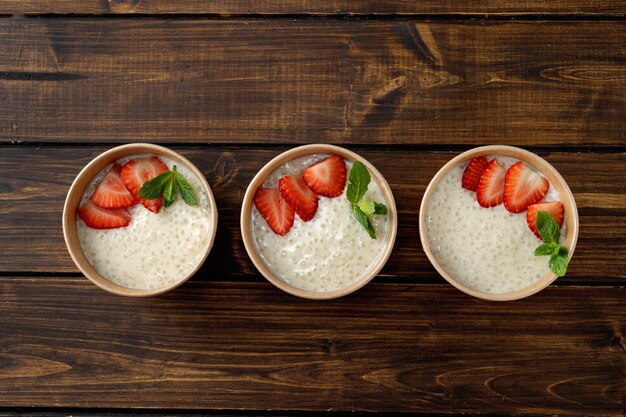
x: 550, y: 233
x: 358, y: 182
x: 167, y: 184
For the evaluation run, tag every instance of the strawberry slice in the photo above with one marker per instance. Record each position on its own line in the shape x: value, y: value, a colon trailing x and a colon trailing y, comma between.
x: 137, y: 171
x: 523, y: 187
x: 473, y: 172
x: 98, y: 217
x: 299, y: 196
x: 554, y: 208
x: 111, y: 192
x: 490, y: 191
x: 277, y: 213
x: 327, y: 177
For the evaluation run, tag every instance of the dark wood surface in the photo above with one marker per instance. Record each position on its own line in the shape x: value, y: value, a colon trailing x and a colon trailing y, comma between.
x: 299, y: 81
x: 315, y: 7
x: 407, y: 90
x: 389, y: 347
x: 599, y: 193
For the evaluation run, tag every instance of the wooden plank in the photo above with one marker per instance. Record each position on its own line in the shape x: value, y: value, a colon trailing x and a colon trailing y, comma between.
x: 73, y: 412
x: 248, y: 346
x: 302, y: 81
x: 332, y: 7
x: 158, y: 413
x: 32, y: 202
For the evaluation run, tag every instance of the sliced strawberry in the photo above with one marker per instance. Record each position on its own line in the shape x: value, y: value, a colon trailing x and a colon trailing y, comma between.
x: 98, y: 217
x: 327, y: 177
x: 473, y: 172
x: 137, y: 171
x: 299, y: 196
x: 523, y: 187
x: 274, y: 209
x: 111, y: 192
x: 554, y: 208
x: 490, y: 191
x: 154, y: 205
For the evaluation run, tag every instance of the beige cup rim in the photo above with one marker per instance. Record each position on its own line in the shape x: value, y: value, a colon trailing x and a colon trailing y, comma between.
x: 258, y: 181
x: 76, y: 191
x: 540, y: 164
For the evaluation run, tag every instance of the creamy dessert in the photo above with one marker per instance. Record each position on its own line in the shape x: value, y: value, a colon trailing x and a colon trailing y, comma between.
x: 481, y: 223
x: 144, y: 243
x: 304, y: 226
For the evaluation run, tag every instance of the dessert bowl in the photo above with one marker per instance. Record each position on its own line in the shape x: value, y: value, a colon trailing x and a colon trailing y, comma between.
x: 333, y: 230
x: 433, y: 245
x: 204, y: 219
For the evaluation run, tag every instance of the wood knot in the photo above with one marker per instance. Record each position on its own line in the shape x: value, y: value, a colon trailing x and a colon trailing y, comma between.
x: 329, y: 347
x: 616, y: 342
x: 390, y: 91
x: 225, y: 169
x: 123, y: 6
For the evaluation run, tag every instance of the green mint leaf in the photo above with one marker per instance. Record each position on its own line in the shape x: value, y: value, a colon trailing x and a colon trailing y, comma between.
x: 167, y: 203
x: 155, y: 187
x: 368, y: 207
x: 170, y: 193
x: 364, y: 220
x: 558, y: 263
x: 548, y: 227
x: 186, y: 190
x: 380, y: 208
x: 546, y: 249
x: 358, y: 180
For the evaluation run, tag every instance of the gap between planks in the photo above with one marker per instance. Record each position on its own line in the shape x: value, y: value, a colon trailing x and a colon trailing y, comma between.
x: 381, y: 279
x: 453, y: 17
x: 454, y: 147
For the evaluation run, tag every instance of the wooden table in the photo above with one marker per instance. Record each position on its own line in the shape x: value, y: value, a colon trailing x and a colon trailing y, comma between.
x: 230, y: 84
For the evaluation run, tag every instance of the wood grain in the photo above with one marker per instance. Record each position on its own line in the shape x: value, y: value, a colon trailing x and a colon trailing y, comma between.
x: 249, y: 346
x: 95, y: 412
x: 302, y: 81
x: 330, y: 7
x: 35, y: 180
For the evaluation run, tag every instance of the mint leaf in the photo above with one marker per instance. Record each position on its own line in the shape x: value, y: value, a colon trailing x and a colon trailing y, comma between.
x: 364, y: 220
x: 167, y: 184
x: 185, y: 189
x: 550, y: 233
x: 368, y: 207
x: 155, y: 187
x: 167, y: 203
x: 169, y: 194
x: 558, y: 263
x: 358, y: 180
x: 548, y: 227
x: 545, y: 249
x: 380, y: 208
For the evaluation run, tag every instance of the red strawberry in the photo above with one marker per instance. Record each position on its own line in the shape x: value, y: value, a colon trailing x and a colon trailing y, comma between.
x: 491, y: 186
x: 523, y: 187
x: 327, y: 177
x: 111, y: 192
x: 137, y: 171
x: 554, y: 208
x: 274, y: 209
x: 98, y: 217
x: 472, y: 173
x: 299, y: 196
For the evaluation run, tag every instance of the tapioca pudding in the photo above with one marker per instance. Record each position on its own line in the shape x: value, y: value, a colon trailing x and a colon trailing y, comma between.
x: 304, y: 227
x: 480, y: 223
x: 144, y: 243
